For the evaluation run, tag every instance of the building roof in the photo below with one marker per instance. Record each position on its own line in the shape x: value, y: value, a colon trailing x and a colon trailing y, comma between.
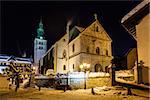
x: 74, y: 32
x: 130, y: 20
x: 5, y: 58
x: 135, y: 10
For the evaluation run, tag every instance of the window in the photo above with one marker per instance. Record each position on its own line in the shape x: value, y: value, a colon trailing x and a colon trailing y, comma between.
x: 49, y: 56
x: 64, y: 40
x: 41, y: 43
x: 106, y: 52
x: 87, y: 49
x: 73, y: 48
x: 64, y: 54
x: 40, y: 47
x: 97, y: 50
x: 73, y: 66
x: 64, y: 67
x: 97, y: 29
x: 94, y: 28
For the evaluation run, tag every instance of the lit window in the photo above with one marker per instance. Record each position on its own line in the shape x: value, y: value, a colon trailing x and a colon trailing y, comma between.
x: 97, y: 50
x: 64, y: 67
x: 73, y: 48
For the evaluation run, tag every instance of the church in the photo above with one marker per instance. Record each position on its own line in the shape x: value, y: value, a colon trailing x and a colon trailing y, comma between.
x: 87, y: 46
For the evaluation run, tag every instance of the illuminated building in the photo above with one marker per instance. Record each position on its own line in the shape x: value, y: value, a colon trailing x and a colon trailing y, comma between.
x: 40, y: 45
x: 91, y: 45
x: 136, y: 22
x: 19, y: 63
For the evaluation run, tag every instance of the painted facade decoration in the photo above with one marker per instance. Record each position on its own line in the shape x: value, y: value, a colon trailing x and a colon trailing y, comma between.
x: 90, y: 45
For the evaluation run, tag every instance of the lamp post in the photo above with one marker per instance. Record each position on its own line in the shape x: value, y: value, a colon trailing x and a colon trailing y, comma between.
x: 84, y: 67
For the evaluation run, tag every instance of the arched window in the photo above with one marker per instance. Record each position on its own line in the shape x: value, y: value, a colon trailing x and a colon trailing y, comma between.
x: 64, y: 67
x: 73, y: 48
x: 64, y: 54
x: 97, y: 50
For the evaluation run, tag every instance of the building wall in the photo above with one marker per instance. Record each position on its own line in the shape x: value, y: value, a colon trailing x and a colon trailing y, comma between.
x: 131, y: 58
x: 143, y: 38
x: 62, y: 45
x: 74, y: 63
x: 40, y: 48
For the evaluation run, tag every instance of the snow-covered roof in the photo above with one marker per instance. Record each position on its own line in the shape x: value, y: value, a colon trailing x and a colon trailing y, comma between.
x: 135, y: 10
x: 80, y: 28
x: 22, y: 62
x: 4, y: 58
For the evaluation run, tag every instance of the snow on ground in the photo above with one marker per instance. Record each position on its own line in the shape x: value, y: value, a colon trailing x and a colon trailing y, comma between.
x: 104, y: 93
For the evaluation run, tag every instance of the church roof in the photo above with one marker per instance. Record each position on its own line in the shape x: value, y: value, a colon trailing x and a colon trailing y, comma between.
x: 74, y: 32
x: 80, y: 28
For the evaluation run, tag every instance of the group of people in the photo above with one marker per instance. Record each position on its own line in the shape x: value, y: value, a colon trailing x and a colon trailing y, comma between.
x: 16, y: 79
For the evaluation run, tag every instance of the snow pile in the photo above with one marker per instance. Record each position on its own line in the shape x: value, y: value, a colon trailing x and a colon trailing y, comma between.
x: 80, y: 91
x: 98, y: 74
x: 41, y: 77
x: 109, y: 91
x: 124, y: 73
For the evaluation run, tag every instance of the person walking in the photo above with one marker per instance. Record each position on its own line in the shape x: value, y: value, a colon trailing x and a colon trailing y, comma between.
x: 17, y: 82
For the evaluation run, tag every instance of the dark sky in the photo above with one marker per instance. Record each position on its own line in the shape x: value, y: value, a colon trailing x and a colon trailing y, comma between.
x: 19, y: 21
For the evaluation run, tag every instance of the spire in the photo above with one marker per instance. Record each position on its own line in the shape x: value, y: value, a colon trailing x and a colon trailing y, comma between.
x: 41, y: 24
x: 95, y: 16
x: 40, y: 30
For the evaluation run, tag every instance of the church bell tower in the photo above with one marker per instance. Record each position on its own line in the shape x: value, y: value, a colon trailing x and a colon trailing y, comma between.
x: 40, y: 44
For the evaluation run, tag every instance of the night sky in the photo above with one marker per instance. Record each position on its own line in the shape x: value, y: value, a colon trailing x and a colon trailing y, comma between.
x: 19, y: 21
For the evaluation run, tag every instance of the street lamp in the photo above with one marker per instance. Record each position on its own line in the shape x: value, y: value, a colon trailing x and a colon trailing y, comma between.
x: 84, y: 67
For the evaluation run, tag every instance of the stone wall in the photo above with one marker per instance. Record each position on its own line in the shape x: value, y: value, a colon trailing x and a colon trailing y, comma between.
x: 90, y: 83
x: 97, y: 82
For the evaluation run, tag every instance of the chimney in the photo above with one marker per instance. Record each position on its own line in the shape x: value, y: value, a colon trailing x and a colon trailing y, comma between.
x: 68, y: 25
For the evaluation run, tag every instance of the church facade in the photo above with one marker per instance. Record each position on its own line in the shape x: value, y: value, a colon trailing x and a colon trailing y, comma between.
x: 79, y: 46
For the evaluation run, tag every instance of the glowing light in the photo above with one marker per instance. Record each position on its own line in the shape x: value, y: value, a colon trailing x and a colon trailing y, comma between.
x: 81, y: 66
x: 41, y: 37
x: 34, y: 68
x: 88, y: 65
x: 84, y: 64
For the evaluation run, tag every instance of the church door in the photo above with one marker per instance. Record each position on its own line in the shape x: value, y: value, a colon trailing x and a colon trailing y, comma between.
x: 98, y: 68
